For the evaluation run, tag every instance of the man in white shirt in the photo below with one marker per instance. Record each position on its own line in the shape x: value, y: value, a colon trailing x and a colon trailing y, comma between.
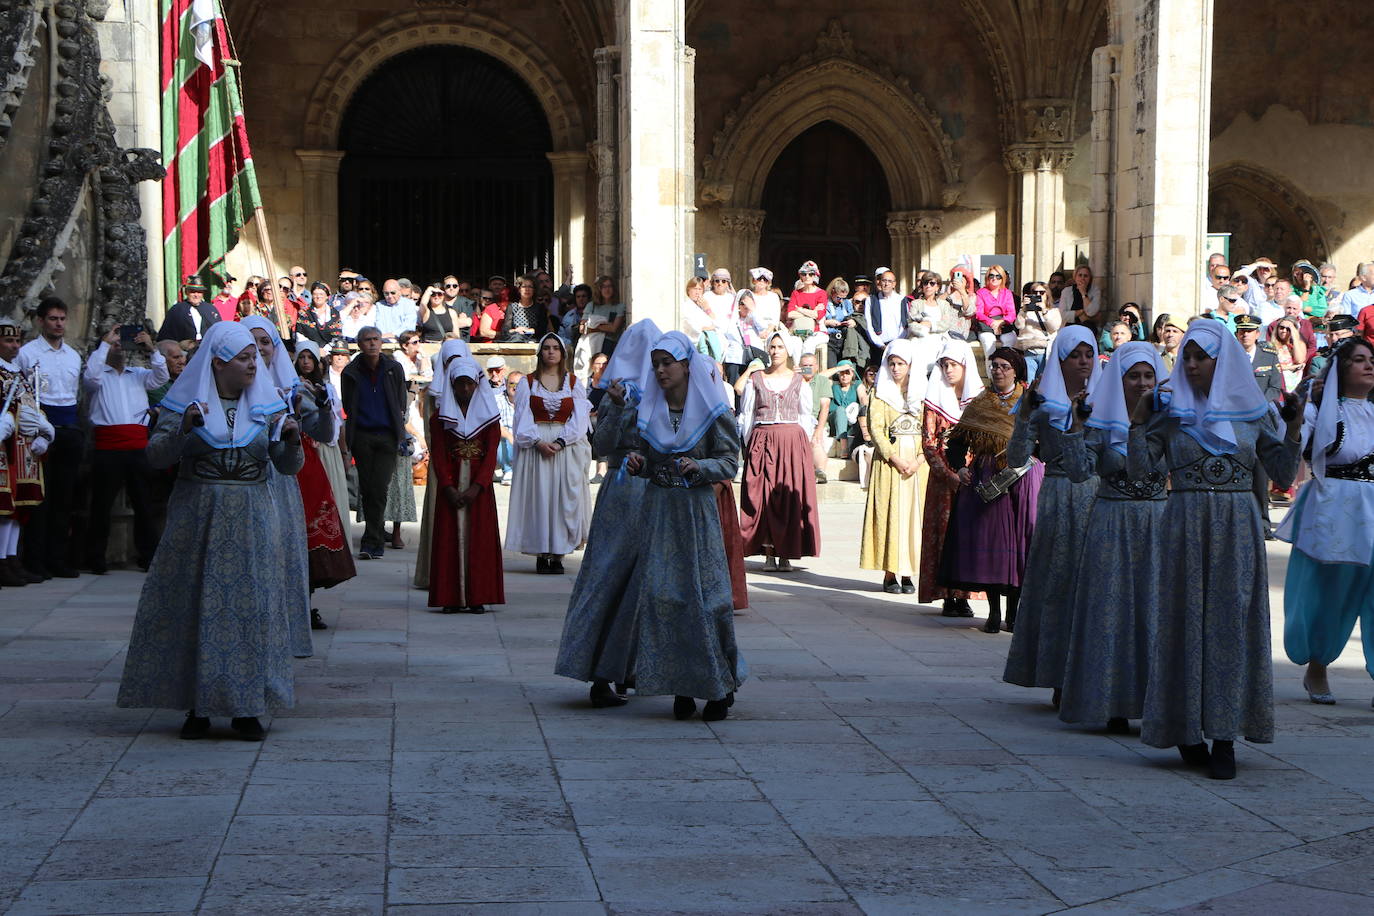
x: 505, y: 449
x: 1361, y: 295
x: 59, y: 367
x: 119, y: 417
x: 396, y: 314
x: 884, y: 320
x: 1218, y: 275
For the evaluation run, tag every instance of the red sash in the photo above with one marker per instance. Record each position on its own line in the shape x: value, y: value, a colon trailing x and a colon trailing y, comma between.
x: 123, y: 437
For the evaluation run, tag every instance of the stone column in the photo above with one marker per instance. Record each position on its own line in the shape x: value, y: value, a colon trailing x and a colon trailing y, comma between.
x: 1106, y: 65
x: 1037, y: 204
x: 320, y: 210
x: 1162, y: 125
x: 911, y: 232
x: 604, y: 152
x: 570, y: 213
x: 743, y: 228
x: 655, y: 158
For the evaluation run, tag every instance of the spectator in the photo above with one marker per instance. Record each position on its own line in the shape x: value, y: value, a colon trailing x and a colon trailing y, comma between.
x: 1056, y: 285
x: 1265, y: 363
x: 188, y: 319
x: 524, y: 317
x: 300, y: 285
x: 463, y: 309
x: 839, y: 323
x: 804, y: 313
x: 863, y: 447
x: 395, y: 313
x: 1227, y: 307
x: 809, y: 367
x: 435, y: 320
x: 885, y: 314
x: 226, y: 303
x: 505, y: 450
x: 1258, y: 289
x: 119, y: 416
x: 1312, y: 293
x: 374, y: 402
x: 844, y: 406
x: 1218, y: 275
x: 924, y: 308
x: 994, y: 320
x: 961, y: 304
x: 698, y: 323
x: 414, y: 363
x: 491, y: 320
x: 320, y: 322
x: 1327, y: 275
x: 500, y: 288
x: 176, y: 356
x: 1036, y: 322
x: 606, y: 304
x: 496, y: 372
x: 1169, y: 331
x: 1360, y: 296
x: 1081, y: 302
x: 767, y: 304
x: 347, y: 278
x: 359, y: 312
x: 576, y: 309
x: 45, y: 541
x: 1292, y: 309
x: 1117, y: 335
x: 1286, y: 339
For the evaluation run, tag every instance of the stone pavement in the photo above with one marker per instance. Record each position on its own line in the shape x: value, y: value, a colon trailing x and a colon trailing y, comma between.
x: 874, y: 763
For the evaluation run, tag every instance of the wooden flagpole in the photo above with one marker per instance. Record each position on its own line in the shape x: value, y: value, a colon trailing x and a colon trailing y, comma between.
x: 278, y: 315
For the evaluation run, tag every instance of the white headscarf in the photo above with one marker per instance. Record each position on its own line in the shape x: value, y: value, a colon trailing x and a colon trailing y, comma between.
x: 889, y: 391
x: 1108, y: 398
x: 705, y: 400
x: 196, y: 385
x: 940, y: 397
x: 283, y: 368
x: 482, y: 409
x: 448, y: 350
x: 791, y: 342
x: 1051, y: 386
x: 629, y: 364
x: 1234, y: 394
x: 1329, y: 415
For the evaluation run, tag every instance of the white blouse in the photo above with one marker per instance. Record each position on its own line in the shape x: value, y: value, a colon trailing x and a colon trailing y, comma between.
x: 1337, y: 515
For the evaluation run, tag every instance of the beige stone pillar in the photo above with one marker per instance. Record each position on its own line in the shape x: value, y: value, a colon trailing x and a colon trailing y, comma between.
x: 604, y: 150
x: 743, y: 228
x: 1037, y: 205
x: 911, y: 232
x: 570, y: 214
x: 1162, y: 122
x: 1102, y: 199
x: 656, y: 156
x: 320, y: 210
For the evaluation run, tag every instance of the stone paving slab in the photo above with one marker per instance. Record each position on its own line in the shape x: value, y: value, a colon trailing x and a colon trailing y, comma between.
x: 874, y: 763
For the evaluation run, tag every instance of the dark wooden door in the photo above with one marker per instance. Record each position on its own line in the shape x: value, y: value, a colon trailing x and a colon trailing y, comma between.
x: 826, y: 201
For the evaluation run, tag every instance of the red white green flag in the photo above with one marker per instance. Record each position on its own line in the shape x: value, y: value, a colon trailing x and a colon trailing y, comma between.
x: 211, y: 189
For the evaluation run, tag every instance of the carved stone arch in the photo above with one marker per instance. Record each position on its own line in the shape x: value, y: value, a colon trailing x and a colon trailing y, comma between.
x: 419, y: 28
x: 1266, y: 215
x: 831, y: 84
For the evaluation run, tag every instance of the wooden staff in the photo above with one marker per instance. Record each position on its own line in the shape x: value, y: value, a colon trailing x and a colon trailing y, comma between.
x: 278, y: 315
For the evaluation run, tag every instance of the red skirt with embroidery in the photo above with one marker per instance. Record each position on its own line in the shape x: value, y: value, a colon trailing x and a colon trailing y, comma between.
x: 326, y: 544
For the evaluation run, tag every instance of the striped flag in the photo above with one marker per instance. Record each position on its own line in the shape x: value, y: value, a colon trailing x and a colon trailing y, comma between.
x: 211, y: 189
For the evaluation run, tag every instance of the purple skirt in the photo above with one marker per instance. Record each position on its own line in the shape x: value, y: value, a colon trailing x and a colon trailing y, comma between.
x: 986, y: 543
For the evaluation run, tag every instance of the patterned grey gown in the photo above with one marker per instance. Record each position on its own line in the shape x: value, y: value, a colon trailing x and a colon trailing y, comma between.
x: 598, y: 639
x: 1116, y: 598
x: 295, y: 557
x: 676, y: 601
x: 1040, y: 642
x: 210, y: 634
x: 1211, y: 674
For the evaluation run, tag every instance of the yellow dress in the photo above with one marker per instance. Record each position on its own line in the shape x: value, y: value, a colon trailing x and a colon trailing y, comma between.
x: 892, y: 516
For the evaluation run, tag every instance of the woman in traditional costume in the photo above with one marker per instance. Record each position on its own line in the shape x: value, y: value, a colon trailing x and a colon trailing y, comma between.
x: 952, y: 384
x: 318, y: 424
x: 678, y: 593
x: 1040, y: 636
x: 1122, y: 563
x: 329, y: 559
x: 465, y: 561
x: 778, y: 512
x: 310, y: 363
x: 1211, y: 675
x: 449, y: 350
x: 209, y: 635
x: 891, y: 539
x: 550, y: 499
x: 1330, y: 581
x: 993, y: 515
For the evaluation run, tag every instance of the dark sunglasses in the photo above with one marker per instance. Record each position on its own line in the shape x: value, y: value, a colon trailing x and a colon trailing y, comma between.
x: 930, y: 282
x: 450, y: 286
x: 299, y: 273
x: 488, y: 298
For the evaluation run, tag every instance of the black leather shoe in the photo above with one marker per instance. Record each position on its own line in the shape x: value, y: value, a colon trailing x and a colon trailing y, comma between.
x: 908, y: 587
x: 541, y: 564
x: 248, y: 728
x: 603, y: 697
x: 66, y: 572
x: 892, y: 588
x: 684, y: 708
x: 1118, y: 726
x: 195, y: 726
x: 1195, y: 755
x: 473, y: 609
x: 316, y: 621
x: 949, y: 609
x: 556, y: 565
x: 1055, y: 697
x: 715, y: 710
x: 962, y: 606
x: 1223, y: 761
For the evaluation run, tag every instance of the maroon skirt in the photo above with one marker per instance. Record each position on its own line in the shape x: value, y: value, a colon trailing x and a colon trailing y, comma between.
x: 734, y: 542
x: 778, y: 500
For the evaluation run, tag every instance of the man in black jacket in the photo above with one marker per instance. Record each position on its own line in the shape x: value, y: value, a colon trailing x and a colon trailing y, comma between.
x: 189, y: 318
x: 1269, y: 378
x: 374, y: 399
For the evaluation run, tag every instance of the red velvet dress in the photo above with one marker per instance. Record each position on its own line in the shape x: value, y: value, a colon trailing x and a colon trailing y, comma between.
x: 465, y: 547
x: 331, y: 561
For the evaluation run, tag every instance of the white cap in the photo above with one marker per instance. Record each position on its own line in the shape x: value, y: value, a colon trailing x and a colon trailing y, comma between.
x: 761, y: 273
x: 496, y: 362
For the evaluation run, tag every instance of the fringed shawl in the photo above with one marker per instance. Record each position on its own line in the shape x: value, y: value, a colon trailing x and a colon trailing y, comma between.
x: 988, y: 422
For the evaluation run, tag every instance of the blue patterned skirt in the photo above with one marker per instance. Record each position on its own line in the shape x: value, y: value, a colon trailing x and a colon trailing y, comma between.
x: 294, y: 562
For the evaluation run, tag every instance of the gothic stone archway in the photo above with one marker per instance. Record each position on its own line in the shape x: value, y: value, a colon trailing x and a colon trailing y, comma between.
x: 1266, y: 216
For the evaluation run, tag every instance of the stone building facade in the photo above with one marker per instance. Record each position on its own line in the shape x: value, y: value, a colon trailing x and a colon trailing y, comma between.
x: 619, y: 137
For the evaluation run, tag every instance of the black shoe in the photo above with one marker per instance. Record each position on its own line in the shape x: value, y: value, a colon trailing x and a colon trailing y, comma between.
x: 541, y: 564
x: 1118, y: 726
x: 1055, y: 697
x: 66, y: 572
x: 625, y: 686
x: 994, y: 623
x: 962, y: 606
x: 248, y: 728
x: 1223, y: 762
x: 364, y: 554
x: 907, y: 587
x: 1268, y: 536
x: 715, y: 710
x: 98, y: 569
x: 892, y: 588
x: 684, y: 708
x: 473, y: 609
x: 451, y: 609
x: 949, y: 609
x: 38, y: 573
x: 195, y: 726
x: 556, y: 565
x: 1195, y: 755
x: 316, y: 621
x: 603, y: 697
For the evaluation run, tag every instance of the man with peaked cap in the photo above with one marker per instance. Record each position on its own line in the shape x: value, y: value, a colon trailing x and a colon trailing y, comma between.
x: 1269, y: 378
x: 1338, y: 328
x: 189, y: 318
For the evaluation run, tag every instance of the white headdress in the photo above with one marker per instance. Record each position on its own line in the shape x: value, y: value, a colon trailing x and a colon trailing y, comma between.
x: 449, y: 350
x: 196, y: 385
x: 629, y: 364
x: 940, y: 397
x: 282, y: 370
x: 1108, y: 398
x: 1051, y: 387
x: 889, y: 391
x: 1233, y: 396
x: 482, y: 409
x: 705, y: 400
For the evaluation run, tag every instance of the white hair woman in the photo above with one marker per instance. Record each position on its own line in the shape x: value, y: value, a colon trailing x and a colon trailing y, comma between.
x: 209, y: 637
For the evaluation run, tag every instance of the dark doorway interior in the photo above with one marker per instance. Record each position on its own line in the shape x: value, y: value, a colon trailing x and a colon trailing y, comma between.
x: 445, y: 170
x: 826, y: 201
